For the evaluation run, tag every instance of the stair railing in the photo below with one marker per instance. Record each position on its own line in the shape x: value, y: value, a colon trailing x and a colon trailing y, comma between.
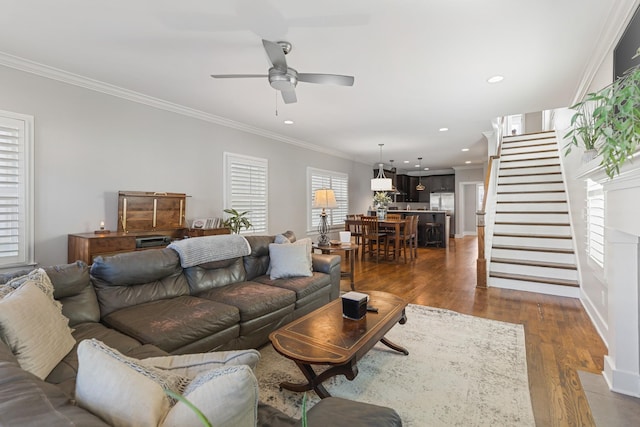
x: 486, y: 215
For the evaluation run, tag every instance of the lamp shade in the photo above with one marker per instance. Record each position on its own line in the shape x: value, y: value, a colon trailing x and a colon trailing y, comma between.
x: 381, y: 184
x: 324, y: 198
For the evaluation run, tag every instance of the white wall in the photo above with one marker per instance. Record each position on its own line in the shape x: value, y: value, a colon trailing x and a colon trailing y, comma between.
x: 466, y: 212
x: 89, y: 146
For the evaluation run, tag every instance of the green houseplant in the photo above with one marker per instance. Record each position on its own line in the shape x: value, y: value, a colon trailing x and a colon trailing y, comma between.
x: 236, y: 221
x: 614, y: 120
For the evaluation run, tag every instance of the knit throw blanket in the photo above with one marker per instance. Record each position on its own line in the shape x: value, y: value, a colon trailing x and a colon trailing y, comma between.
x: 200, y: 250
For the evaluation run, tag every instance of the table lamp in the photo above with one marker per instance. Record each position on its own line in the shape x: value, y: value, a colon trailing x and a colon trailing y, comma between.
x: 326, y: 199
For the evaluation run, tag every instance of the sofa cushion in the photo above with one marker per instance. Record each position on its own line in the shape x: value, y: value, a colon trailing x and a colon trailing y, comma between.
x: 227, y: 397
x: 121, y: 390
x: 290, y: 260
x: 173, y: 323
x: 252, y: 299
x: 215, y: 274
x: 133, y: 278
x: 190, y: 365
x: 257, y: 262
x: 72, y: 287
x: 302, y: 286
x: 32, y: 325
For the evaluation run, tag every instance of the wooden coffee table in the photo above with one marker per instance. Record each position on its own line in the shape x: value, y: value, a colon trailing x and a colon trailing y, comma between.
x: 324, y: 337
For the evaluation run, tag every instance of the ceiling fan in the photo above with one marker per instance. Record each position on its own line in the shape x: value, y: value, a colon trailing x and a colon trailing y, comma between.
x: 283, y: 78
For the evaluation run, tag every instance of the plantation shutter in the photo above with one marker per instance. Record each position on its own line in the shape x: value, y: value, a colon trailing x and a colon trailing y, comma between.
x: 339, y: 183
x: 16, y: 236
x: 246, y: 189
x: 595, y: 222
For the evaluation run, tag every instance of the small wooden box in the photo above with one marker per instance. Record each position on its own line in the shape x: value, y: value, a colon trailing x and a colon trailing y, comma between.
x: 150, y: 211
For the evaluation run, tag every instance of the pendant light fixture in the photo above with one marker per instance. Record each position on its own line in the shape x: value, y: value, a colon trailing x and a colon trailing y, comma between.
x: 381, y: 183
x: 420, y: 187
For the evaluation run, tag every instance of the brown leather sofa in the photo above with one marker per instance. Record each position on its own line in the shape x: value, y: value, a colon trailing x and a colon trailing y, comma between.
x: 144, y: 304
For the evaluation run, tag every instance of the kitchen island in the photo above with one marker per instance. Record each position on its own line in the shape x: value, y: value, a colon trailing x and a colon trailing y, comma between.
x: 438, y: 217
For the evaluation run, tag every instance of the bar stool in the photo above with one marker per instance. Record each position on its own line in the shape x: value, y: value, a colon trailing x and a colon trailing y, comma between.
x: 433, y: 234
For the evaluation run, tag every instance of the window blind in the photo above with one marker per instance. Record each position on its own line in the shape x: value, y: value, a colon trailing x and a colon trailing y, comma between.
x: 595, y: 222
x: 16, y: 225
x: 339, y: 183
x: 246, y: 189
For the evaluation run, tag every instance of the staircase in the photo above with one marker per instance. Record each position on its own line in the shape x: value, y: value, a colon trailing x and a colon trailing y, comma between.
x: 532, y: 247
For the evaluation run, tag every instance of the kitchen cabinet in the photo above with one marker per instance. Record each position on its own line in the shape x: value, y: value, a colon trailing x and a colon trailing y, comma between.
x: 442, y: 183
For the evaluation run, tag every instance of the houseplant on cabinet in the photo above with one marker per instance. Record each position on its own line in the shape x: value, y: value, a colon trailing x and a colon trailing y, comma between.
x: 236, y: 221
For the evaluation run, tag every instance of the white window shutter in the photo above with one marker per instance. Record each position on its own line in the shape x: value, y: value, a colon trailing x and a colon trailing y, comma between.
x: 246, y: 189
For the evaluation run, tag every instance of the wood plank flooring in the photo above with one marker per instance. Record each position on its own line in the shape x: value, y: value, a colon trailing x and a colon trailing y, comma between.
x: 560, y: 338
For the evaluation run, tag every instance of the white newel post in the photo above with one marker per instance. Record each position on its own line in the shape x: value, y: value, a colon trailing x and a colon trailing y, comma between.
x: 622, y: 364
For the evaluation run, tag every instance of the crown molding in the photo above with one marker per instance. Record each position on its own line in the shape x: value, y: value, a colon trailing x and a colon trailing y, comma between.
x: 46, y: 71
x: 617, y: 21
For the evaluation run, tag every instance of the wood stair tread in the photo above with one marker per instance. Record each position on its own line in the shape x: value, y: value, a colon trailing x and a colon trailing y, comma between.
x: 532, y: 213
x: 530, y: 191
x: 551, y: 224
x: 534, y: 249
x: 535, y: 236
x: 546, y: 280
x: 530, y: 201
x: 550, y: 150
x: 529, y: 166
x: 529, y: 183
x: 529, y: 263
x: 530, y: 174
x: 537, y: 158
x: 525, y: 146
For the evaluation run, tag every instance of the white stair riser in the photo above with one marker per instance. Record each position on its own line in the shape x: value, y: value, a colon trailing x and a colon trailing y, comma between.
x: 530, y: 178
x: 536, y: 230
x: 533, y: 156
x: 541, y: 145
x: 542, y: 186
x: 524, y: 171
x: 541, y: 288
x: 537, y: 207
x: 534, y: 242
x: 543, y: 136
x: 530, y: 270
x: 506, y: 163
x: 534, y: 255
x: 532, y: 197
x: 532, y: 217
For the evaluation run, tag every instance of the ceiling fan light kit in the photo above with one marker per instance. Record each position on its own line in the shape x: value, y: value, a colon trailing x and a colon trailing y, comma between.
x: 285, y: 79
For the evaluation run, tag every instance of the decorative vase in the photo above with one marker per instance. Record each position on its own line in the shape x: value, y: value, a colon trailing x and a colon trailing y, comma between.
x: 589, y: 155
x: 382, y: 212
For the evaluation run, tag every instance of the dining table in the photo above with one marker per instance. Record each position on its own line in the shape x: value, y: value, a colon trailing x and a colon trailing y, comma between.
x: 396, y: 224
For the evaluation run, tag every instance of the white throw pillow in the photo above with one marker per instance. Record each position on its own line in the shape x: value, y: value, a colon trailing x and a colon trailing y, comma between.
x: 290, y: 260
x: 32, y: 325
x: 121, y: 390
x: 227, y: 396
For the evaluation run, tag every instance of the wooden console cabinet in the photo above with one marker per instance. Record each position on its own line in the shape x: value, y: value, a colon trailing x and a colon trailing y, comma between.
x: 151, y: 215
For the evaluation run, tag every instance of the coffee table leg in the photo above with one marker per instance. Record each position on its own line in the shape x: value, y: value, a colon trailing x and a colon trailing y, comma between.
x: 349, y: 370
x: 393, y: 345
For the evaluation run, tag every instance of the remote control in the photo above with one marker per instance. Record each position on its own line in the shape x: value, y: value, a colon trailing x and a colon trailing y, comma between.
x: 372, y: 309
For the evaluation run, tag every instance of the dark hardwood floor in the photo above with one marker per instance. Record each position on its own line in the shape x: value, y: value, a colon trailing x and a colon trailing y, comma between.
x: 560, y: 338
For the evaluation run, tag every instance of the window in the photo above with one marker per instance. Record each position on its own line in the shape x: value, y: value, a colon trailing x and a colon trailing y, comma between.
x: 16, y: 190
x: 595, y: 222
x: 246, y: 184
x: 339, y: 183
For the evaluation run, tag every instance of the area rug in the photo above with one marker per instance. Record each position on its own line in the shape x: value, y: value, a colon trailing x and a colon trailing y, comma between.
x: 461, y: 371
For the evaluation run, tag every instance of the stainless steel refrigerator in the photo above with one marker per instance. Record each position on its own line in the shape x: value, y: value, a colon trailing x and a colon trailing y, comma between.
x: 444, y: 202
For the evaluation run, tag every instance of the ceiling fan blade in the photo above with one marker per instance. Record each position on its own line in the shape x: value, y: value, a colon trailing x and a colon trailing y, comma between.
x: 237, y: 76
x: 289, y: 96
x: 326, y: 79
x: 276, y: 55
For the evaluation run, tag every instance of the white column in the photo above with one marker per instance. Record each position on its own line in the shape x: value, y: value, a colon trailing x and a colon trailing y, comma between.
x: 622, y: 365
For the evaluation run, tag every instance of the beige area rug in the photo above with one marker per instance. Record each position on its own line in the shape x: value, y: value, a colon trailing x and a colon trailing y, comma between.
x: 461, y: 371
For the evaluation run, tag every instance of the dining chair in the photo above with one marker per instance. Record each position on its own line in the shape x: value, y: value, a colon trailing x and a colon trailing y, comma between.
x: 372, y: 237
x: 404, y: 239
x: 354, y: 226
x: 414, y: 235
x: 390, y: 217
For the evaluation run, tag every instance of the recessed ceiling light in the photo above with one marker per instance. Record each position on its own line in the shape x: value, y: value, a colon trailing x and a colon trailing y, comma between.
x: 465, y: 149
x: 417, y: 166
x: 406, y: 161
x: 426, y: 169
x: 495, y: 79
x: 468, y: 161
x: 443, y: 129
x: 288, y: 122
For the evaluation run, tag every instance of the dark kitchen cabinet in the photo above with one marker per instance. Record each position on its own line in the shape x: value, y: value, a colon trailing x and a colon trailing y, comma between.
x: 442, y: 183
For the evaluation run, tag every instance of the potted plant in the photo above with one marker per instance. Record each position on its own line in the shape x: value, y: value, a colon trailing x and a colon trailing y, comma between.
x: 380, y: 201
x: 583, y: 132
x: 236, y: 221
x: 615, y: 119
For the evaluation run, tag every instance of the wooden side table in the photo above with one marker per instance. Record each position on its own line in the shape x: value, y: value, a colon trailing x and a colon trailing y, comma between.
x: 347, y: 249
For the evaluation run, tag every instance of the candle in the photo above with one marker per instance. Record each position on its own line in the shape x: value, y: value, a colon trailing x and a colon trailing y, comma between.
x: 101, y: 225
